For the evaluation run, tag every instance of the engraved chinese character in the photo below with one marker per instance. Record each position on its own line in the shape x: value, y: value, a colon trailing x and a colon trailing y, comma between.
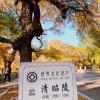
x: 65, y: 87
x: 62, y: 73
x: 57, y: 73
x: 47, y: 73
x: 55, y: 87
x: 52, y: 73
x: 31, y: 92
x: 66, y: 72
x: 44, y: 88
x: 42, y: 74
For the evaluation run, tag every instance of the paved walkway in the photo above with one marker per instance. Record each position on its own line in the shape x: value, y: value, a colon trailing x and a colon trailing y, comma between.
x: 91, y: 90
x: 87, y: 77
x: 10, y: 94
x: 89, y: 84
x: 7, y: 84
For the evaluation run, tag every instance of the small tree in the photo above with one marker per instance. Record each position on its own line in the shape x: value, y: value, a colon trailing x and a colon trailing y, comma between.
x: 5, y: 55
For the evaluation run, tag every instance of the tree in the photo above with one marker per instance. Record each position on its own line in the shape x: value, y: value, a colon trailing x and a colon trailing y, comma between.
x: 90, y: 25
x: 95, y: 36
x: 52, y: 53
x: 5, y: 55
x: 26, y: 26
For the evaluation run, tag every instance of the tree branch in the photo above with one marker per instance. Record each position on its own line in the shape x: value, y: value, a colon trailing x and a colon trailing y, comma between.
x: 37, y: 52
x: 40, y: 40
x: 11, y: 59
x: 5, y: 40
x: 51, y: 28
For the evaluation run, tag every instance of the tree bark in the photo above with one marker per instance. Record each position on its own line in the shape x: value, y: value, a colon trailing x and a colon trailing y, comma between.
x: 25, y: 51
x: 25, y: 54
x: 31, y: 26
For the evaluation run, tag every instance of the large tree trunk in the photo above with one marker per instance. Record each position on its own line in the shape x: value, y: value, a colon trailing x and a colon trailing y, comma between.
x: 25, y: 51
x: 31, y: 26
x: 23, y: 45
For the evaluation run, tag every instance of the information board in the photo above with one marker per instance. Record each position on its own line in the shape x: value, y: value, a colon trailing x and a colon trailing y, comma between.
x: 47, y: 81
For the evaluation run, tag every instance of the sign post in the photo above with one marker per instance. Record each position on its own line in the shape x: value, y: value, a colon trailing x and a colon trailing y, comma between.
x: 47, y: 81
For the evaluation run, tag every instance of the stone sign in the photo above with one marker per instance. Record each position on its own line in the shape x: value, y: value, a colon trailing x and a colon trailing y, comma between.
x: 47, y: 81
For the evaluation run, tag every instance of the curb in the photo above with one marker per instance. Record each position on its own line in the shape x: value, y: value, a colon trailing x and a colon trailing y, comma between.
x: 4, y: 92
x: 84, y: 82
x: 9, y: 84
x: 85, y: 96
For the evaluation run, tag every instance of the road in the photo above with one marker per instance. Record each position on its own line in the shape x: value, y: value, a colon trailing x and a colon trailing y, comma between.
x: 89, y: 84
x: 87, y: 77
x: 91, y: 90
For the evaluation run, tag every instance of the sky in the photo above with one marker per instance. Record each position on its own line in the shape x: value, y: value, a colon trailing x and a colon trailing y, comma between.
x: 69, y: 34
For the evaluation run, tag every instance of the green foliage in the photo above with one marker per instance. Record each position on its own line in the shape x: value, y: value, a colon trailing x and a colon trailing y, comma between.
x: 94, y: 55
x: 95, y: 35
x: 9, y: 25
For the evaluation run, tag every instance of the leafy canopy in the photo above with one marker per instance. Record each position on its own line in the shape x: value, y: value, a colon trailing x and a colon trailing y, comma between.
x: 84, y: 13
